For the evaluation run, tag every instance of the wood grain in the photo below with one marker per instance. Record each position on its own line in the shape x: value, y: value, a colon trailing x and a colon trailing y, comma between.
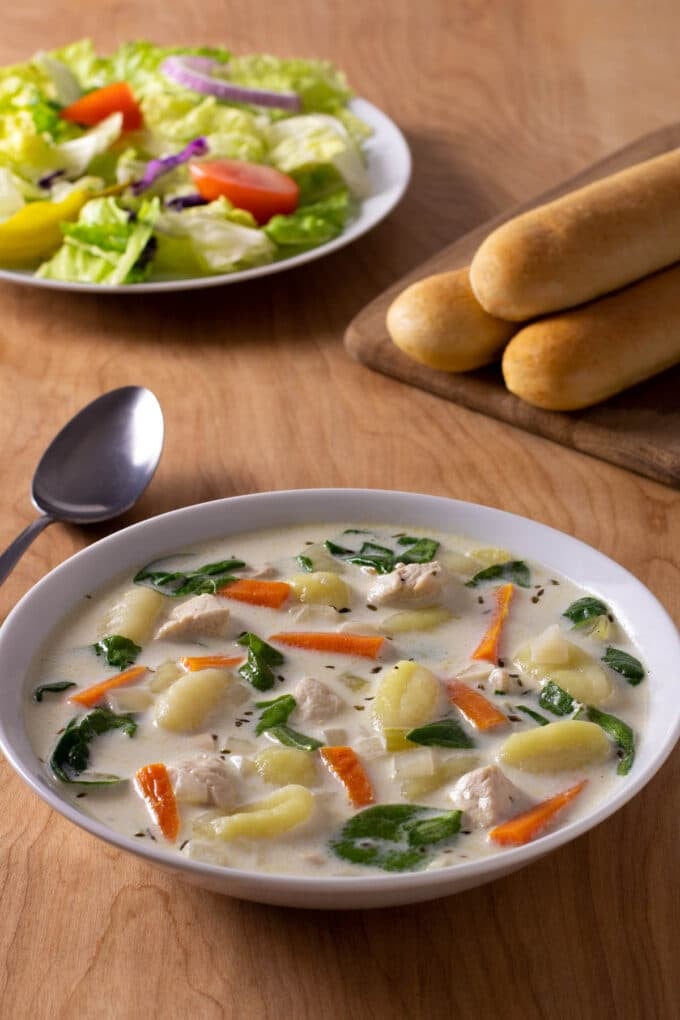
x: 500, y: 100
x: 638, y: 429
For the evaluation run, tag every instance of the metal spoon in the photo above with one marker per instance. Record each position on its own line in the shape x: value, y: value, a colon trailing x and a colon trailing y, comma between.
x: 97, y: 467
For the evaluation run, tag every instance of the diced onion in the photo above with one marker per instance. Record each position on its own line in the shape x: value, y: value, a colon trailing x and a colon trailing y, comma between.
x: 194, y: 73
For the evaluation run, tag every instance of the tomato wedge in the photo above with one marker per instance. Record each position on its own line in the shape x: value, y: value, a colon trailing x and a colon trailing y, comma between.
x: 95, y: 106
x: 261, y: 190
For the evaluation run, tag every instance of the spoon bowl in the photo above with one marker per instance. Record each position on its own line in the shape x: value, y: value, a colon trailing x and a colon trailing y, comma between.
x: 97, y: 466
x: 101, y: 462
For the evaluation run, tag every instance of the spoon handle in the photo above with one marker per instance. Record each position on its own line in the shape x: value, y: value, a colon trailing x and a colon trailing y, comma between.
x: 16, y: 549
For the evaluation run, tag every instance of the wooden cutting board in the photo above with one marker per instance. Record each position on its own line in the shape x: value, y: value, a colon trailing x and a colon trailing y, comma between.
x: 638, y: 430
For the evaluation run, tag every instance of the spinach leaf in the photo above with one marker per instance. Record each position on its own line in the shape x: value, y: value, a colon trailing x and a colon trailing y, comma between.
x: 536, y: 716
x: 305, y: 562
x: 627, y: 665
x: 205, y: 580
x: 421, y: 550
x: 275, y: 713
x: 291, y: 738
x: 584, y: 610
x: 555, y: 699
x: 382, y: 558
x: 394, y: 837
x: 433, y: 830
x: 369, y: 555
x: 443, y: 733
x: 620, y: 732
x: 60, y: 685
x: 261, y: 657
x: 119, y: 651
x: 379, y: 556
x: 339, y: 550
x: 514, y: 570
x: 71, y: 755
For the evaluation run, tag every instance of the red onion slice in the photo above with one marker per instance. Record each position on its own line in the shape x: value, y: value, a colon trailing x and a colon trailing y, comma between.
x: 193, y: 73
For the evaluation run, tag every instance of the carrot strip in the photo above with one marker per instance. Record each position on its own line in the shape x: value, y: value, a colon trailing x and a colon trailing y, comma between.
x: 153, y: 782
x: 477, y: 709
x: 196, y: 662
x: 258, y: 593
x: 345, y: 765
x: 487, y: 649
x: 367, y: 645
x: 89, y: 696
x: 525, y: 827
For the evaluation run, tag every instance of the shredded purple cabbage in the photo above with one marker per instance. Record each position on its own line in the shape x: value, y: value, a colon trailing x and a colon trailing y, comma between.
x: 48, y: 179
x: 184, y: 202
x: 156, y: 167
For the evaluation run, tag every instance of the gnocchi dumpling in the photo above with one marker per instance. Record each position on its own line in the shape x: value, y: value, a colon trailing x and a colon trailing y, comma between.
x: 415, y: 619
x: 284, y: 765
x: 490, y: 555
x: 396, y: 740
x: 129, y: 699
x: 134, y: 615
x: 407, y: 696
x: 189, y: 701
x: 568, y: 744
x: 165, y: 675
x: 416, y: 786
x: 276, y: 814
x: 321, y: 588
x: 550, y: 656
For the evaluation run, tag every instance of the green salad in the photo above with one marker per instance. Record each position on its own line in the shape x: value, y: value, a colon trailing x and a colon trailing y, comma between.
x: 161, y: 163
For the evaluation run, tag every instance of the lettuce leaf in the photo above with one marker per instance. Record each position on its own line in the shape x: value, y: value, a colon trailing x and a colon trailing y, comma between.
x: 27, y: 149
x: 319, y: 84
x: 20, y: 83
x: 76, y: 155
x: 231, y: 133
x: 107, y: 244
x: 64, y: 82
x: 208, y: 239
x: 23, y: 150
x: 316, y: 139
x: 80, y: 58
x: 11, y: 196
x: 310, y: 225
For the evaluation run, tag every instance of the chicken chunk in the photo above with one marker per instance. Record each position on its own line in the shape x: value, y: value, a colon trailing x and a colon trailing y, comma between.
x: 205, y: 779
x: 315, y: 701
x: 198, y: 617
x: 408, y: 584
x: 502, y: 680
x: 487, y: 797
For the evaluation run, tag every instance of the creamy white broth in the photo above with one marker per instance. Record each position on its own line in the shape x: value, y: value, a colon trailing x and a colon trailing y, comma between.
x: 445, y: 650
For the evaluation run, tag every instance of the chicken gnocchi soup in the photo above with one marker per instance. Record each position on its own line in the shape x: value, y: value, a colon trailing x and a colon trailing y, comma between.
x: 328, y: 700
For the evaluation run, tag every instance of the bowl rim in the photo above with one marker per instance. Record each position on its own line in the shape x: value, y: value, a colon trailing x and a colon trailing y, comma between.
x: 336, y: 502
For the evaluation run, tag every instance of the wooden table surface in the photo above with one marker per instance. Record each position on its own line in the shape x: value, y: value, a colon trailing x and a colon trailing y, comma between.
x: 499, y: 99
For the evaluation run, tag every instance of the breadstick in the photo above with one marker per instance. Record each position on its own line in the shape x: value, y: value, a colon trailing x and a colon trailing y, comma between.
x: 438, y: 322
x: 585, y: 244
x: 578, y: 358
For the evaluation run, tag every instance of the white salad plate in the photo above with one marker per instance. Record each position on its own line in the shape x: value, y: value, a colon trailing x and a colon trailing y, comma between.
x: 29, y: 625
x: 389, y: 171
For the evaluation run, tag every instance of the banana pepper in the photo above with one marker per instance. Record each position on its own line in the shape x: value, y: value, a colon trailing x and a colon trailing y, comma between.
x: 33, y: 233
